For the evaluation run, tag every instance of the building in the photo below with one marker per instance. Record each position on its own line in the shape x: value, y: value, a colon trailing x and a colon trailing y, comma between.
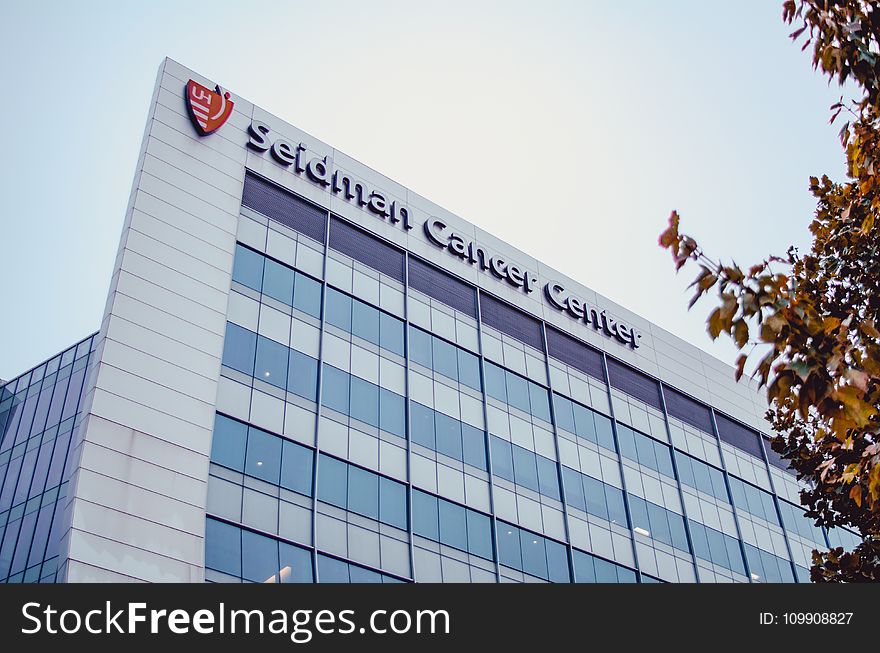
x: 307, y: 371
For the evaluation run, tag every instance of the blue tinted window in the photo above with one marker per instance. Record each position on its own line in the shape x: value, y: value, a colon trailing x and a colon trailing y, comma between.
x: 474, y: 445
x: 248, y: 268
x: 361, y: 575
x: 259, y: 558
x: 548, y: 479
x: 540, y: 402
x: 391, y: 333
x: 307, y: 295
x: 509, y: 550
x: 469, y: 369
x: 594, y: 492
x: 659, y: 524
x: 453, y: 525
x: 534, y: 554
x: 365, y: 322
x: 338, y: 309
x: 525, y: 470
x: 335, y: 393
x: 616, y: 507
x: 448, y: 432
x: 496, y: 385
x: 562, y: 408
x: 392, y: 502
x: 502, y: 458
x: 228, y: 444
x: 604, y: 431
x: 574, y: 489
x: 518, y: 392
x: 557, y: 563
x: 645, y: 451
x: 585, y: 425
x: 331, y: 570
x: 302, y: 376
x: 239, y: 348
x: 420, y: 347
x: 426, y: 522
x: 296, y: 468
x: 363, y: 492
x: 271, y: 364
x: 333, y: 481
x: 278, y: 282
x: 295, y: 564
x: 263, y: 455
x: 422, y: 425
x: 626, y: 440
x: 222, y: 547
x: 364, y: 401
x: 479, y: 534
x: 584, y: 567
x: 392, y: 416
x: 445, y: 358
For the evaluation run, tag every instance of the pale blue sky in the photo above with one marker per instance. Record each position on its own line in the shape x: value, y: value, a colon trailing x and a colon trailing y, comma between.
x: 635, y: 107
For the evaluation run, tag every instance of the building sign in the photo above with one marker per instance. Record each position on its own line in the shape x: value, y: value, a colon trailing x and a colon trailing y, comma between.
x: 320, y: 172
x: 208, y: 109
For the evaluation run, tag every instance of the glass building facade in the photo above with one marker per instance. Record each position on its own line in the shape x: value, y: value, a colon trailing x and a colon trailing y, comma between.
x: 303, y: 374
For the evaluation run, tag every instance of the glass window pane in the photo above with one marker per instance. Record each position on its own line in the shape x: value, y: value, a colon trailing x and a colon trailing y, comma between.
x: 228, y: 444
x: 392, y: 417
x: 295, y: 564
x: 518, y: 392
x: 474, y: 446
x: 639, y: 514
x: 557, y: 563
x: 363, y: 492
x: 332, y: 481
x: 453, y: 525
x: 584, y: 424
x: 239, y: 348
x: 548, y: 478
x: 302, y: 375
x: 664, y: 460
x: 365, y: 321
x: 594, y: 492
x: 509, y: 550
x: 469, y: 369
x: 616, y: 507
x: 525, y: 470
x: 445, y: 358
x: 361, y: 575
x: 296, y: 468
x: 534, y: 554
x: 422, y: 425
x: 392, y: 502
x: 540, y: 402
x: 335, y: 392
x: 338, y: 309
x: 584, y: 571
x: 496, y: 386
x: 659, y: 524
x: 248, y: 268
x: 448, y: 432
x: 502, y: 458
x: 645, y: 449
x: 278, y: 282
x: 307, y: 295
x: 626, y: 437
x: 678, y: 532
x: 331, y: 570
x: 574, y: 488
x: 604, y: 432
x: 391, y: 333
x: 364, y: 401
x: 259, y: 558
x: 562, y: 408
x: 271, y: 364
x: 420, y: 347
x: 479, y: 528
x: 263, y: 455
x: 606, y: 572
x: 426, y: 521
x: 222, y: 547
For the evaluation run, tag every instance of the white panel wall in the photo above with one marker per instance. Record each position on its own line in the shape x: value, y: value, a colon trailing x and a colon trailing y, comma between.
x: 137, y: 506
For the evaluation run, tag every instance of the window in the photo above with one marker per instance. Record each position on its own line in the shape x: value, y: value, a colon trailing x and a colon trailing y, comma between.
x: 594, y: 497
x: 451, y: 524
x: 239, y: 348
x: 336, y: 386
x: 222, y: 547
x: 247, y: 269
x: 645, y: 450
x: 296, y: 468
x: 516, y: 391
x: 364, y: 401
x: 768, y: 568
x: 278, y: 282
x: 583, y: 422
x: 391, y: 333
x: 228, y: 443
x: 590, y: 569
x: 533, y: 554
x: 656, y: 522
x: 524, y: 467
x: 444, y: 358
x: 362, y: 491
x: 302, y: 375
x: 448, y: 436
x: 392, y: 412
x: 700, y: 476
x: 754, y: 501
x: 307, y: 295
x: 271, y: 364
x: 295, y: 564
x: 263, y: 459
x: 365, y: 322
x: 259, y: 558
x: 716, y: 547
x: 338, y: 309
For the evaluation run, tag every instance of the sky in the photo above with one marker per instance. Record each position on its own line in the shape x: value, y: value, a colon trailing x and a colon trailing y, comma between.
x: 598, y: 118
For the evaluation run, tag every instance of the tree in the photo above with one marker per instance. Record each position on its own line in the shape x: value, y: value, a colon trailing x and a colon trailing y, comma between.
x: 814, y: 318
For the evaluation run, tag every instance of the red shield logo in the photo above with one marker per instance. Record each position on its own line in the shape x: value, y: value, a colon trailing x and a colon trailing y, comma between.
x: 207, y: 109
